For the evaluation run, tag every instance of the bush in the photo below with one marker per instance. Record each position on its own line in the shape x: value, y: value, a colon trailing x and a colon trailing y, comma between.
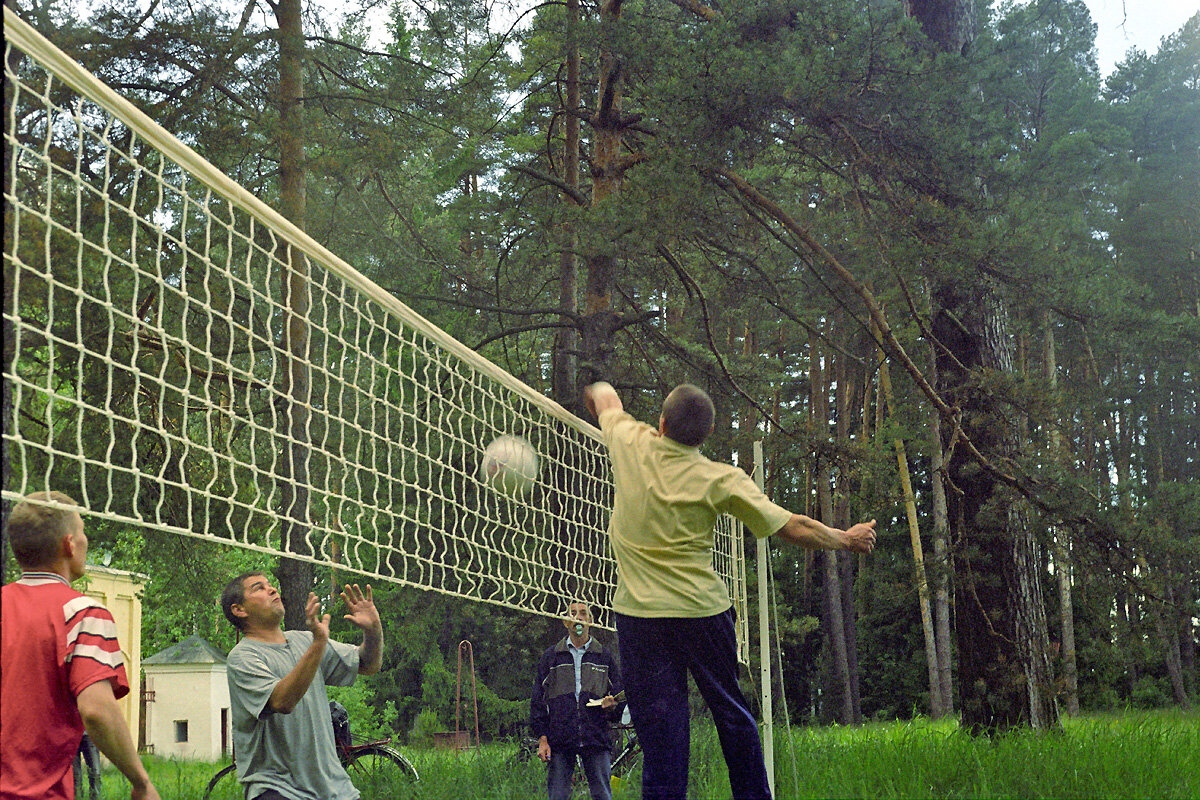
x: 424, y: 727
x: 1148, y: 692
x: 367, y: 719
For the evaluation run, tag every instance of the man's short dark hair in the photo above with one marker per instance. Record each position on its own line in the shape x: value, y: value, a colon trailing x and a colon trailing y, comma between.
x: 35, y: 530
x: 587, y: 606
x: 234, y: 594
x: 688, y: 415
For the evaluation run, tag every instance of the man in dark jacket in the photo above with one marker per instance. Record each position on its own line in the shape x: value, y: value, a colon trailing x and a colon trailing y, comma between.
x: 573, y: 703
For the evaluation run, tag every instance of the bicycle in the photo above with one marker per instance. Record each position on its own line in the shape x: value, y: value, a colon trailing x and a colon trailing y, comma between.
x: 629, y: 757
x: 376, y: 769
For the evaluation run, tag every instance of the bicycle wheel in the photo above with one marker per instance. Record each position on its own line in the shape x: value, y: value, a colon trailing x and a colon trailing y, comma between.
x: 526, y: 750
x: 380, y: 773
x: 224, y: 785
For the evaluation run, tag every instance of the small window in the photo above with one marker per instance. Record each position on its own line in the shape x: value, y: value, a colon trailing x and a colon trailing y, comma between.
x: 181, y: 730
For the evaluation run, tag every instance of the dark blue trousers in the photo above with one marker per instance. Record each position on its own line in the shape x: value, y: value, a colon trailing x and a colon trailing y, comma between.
x: 656, y: 656
x: 597, y: 766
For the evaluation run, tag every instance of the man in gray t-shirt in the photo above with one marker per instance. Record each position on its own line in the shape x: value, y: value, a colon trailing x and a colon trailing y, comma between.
x: 282, y: 735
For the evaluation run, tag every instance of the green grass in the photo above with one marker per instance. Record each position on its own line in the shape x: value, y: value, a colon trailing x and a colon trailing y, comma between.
x: 1129, y: 755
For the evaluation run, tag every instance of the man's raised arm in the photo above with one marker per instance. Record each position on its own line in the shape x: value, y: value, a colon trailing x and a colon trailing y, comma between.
x: 600, y: 397
x: 364, y: 616
x: 291, y: 687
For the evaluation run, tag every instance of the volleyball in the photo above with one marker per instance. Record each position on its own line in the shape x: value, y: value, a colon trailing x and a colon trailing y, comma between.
x: 510, y: 465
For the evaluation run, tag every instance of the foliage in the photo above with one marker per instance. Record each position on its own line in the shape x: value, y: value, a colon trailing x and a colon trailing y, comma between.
x: 424, y: 727
x: 431, y: 142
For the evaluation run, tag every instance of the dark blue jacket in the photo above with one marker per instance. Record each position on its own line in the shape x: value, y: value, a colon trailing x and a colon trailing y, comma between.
x: 553, y: 711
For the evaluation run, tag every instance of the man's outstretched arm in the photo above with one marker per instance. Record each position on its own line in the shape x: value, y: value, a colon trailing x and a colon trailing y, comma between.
x: 815, y: 535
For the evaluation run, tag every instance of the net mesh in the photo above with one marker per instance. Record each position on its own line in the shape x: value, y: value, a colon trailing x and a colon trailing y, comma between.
x: 184, y: 359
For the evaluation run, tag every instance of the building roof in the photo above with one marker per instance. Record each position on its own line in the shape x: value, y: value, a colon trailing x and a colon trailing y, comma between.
x: 192, y: 650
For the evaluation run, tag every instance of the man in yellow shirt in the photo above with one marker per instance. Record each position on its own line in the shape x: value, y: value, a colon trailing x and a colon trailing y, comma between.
x: 673, y: 613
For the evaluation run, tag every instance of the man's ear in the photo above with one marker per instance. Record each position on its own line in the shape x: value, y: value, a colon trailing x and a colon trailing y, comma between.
x: 66, y: 546
x: 237, y: 610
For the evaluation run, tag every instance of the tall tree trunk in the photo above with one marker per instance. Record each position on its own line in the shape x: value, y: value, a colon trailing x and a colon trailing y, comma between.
x: 839, y: 699
x: 941, y: 550
x: 1000, y: 620
x: 295, y: 575
x: 748, y: 415
x: 564, y: 378
x: 600, y: 321
x: 1171, y: 589
x: 1004, y: 668
x: 846, y: 394
x: 1062, y: 561
x: 1187, y: 638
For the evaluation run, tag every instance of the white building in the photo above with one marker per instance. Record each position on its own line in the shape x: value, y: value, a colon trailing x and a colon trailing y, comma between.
x: 119, y: 591
x: 187, y: 702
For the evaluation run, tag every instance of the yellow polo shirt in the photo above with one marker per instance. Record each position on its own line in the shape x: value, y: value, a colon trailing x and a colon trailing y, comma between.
x: 668, y: 498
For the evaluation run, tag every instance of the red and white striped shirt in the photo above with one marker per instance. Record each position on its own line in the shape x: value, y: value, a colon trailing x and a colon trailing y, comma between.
x: 54, y: 643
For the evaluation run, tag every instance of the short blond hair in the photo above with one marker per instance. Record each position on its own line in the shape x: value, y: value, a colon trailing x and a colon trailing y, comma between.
x: 35, y: 529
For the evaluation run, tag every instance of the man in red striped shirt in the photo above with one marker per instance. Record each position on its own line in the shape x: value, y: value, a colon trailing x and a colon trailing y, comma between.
x: 61, y: 668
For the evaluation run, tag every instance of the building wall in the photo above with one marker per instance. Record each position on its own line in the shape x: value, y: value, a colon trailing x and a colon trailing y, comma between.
x: 118, y: 591
x: 193, y: 692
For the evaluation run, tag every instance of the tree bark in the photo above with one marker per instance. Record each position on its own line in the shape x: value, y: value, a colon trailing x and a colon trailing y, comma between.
x: 1062, y: 561
x: 608, y: 169
x: 295, y: 575
x: 1000, y: 623
x: 941, y: 551
x: 949, y: 24
x: 838, y: 703
x: 1000, y: 619
x: 564, y: 377
x: 846, y: 393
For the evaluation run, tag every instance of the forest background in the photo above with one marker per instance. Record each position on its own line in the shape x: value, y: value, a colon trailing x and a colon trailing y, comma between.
x: 922, y: 251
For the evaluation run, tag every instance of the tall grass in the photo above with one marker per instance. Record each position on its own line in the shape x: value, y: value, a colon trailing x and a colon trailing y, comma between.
x: 1129, y: 755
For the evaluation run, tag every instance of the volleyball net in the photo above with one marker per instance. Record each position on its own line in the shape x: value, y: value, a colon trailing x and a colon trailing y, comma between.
x: 180, y: 357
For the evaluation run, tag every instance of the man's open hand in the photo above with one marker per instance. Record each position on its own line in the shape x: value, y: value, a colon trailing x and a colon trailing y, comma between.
x: 361, y: 606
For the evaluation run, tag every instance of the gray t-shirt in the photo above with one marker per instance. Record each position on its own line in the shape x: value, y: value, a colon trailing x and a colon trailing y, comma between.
x: 294, y: 753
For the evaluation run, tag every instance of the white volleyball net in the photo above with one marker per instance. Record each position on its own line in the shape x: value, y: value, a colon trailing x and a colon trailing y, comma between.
x: 184, y: 359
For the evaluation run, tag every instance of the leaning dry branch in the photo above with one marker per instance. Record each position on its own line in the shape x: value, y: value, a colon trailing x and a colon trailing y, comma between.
x: 887, y: 338
x: 1028, y: 486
